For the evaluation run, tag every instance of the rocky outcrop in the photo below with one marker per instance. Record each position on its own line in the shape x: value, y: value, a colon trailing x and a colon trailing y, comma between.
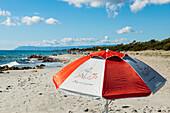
x: 42, y: 65
x: 35, y: 56
x: 39, y: 67
x: 48, y: 59
x: 45, y: 58
x: 5, y: 68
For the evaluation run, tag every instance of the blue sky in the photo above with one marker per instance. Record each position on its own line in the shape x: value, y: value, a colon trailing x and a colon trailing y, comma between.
x: 82, y: 22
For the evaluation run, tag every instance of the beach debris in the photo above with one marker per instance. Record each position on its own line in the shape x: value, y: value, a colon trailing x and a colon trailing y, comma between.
x: 118, y: 110
x: 42, y: 65
x: 73, y: 53
x: 29, y: 78
x: 8, y: 86
x: 86, y: 110
x: 159, y: 110
x: 39, y: 67
x: 135, y: 111
x: 54, y: 54
x: 65, y: 95
x: 33, y: 67
x: 33, y: 71
x: 5, y: 72
x: 40, y: 93
x: 125, y: 106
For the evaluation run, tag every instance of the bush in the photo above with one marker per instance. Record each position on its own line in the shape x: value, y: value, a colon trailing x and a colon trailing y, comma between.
x: 136, y: 46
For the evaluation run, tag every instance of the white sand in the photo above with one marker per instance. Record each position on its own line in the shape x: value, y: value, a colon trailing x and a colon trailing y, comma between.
x: 34, y: 92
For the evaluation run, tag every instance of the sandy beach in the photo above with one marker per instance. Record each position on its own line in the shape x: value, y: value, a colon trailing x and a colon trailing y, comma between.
x: 28, y: 91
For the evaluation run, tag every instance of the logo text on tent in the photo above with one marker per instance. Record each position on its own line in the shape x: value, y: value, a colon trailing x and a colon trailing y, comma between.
x: 144, y: 70
x: 87, y: 74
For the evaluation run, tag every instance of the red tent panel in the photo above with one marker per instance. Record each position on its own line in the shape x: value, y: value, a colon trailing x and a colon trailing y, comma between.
x: 63, y: 74
x: 106, y: 55
x: 121, y: 81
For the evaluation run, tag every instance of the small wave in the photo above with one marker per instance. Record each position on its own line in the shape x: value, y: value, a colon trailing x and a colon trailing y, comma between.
x: 11, y: 64
x: 2, y: 56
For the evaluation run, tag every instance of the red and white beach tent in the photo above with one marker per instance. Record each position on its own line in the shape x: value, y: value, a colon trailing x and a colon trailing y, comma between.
x: 110, y: 75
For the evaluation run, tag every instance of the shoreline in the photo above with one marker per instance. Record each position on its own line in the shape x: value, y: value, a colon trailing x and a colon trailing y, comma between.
x: 33, y: 92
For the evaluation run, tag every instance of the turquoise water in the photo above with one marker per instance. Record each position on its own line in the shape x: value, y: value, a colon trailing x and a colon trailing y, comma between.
x: 18, y: 57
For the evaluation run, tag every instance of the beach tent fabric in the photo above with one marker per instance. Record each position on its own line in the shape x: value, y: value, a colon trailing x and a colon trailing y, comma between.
x: 110, y: 75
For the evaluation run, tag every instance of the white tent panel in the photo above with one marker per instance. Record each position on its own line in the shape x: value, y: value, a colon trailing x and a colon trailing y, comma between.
x: 152, y: 79
x: 87, y: 79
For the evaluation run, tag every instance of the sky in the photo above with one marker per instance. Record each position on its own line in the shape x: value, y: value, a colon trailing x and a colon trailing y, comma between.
x: 82, y: 22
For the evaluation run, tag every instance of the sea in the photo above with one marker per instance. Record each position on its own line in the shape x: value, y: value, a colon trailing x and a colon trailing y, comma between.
x: 19, y: 58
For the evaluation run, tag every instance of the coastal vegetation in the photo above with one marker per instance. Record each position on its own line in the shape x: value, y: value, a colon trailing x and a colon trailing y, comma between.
x: 134, y: 46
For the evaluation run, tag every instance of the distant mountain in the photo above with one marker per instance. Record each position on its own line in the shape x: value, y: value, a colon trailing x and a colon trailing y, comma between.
x: 54, y: 48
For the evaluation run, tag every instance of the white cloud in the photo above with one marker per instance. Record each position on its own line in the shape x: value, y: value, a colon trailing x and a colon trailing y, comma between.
x: 52, y: 21
x: 76, y: 41
x: 67, y: 41
x: 30, y: 43
x: 50, y: 43
x: 107, y: 41
x: 96, y: 3
x: 26, y: 19
x: 113, y: 5
x: 8, y: 22
x: 32, y: 20
x: 140, y: 4
x: 73, y: 42
x: 106, y: 37
x: 4, y: 13
x: 159, y: 1
x: 127, y: 29
x: 111, y: 10
x: 36, y: 19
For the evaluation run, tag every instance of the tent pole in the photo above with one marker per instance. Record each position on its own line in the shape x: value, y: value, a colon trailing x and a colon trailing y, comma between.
x: 106, y: 107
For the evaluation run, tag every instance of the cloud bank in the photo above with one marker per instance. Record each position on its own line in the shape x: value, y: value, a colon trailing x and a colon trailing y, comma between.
x: 74, y: 42
x: 113, y: 5
x: 12, y: 20
x: 4, y: 13
x: 32, y: 20
x: 8, y: 22
x: 36, y: 19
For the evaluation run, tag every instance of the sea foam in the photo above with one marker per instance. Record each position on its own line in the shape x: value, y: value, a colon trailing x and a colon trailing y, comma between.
x: 11, y: 64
